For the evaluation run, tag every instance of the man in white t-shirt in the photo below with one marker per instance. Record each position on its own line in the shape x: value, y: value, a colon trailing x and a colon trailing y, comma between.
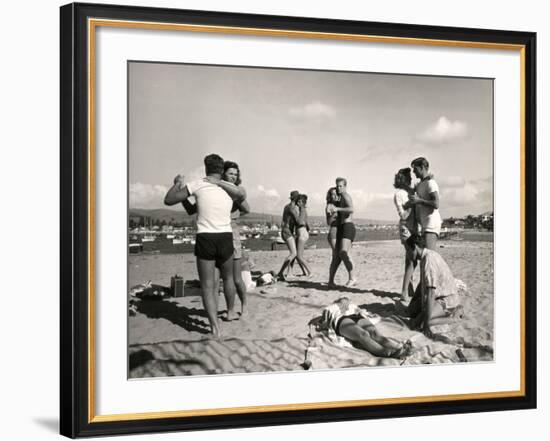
x: 426, y: 202
x: 214, y: 240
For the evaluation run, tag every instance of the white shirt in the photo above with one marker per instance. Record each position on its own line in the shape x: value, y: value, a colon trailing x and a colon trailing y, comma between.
x: 428, y: 217
x: 406, y: 217
x: 213, y: 207
x: 400, y: 198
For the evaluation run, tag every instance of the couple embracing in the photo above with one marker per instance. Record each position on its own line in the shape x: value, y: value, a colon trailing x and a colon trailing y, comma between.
x: 295, y: 233
x: 418, y: 210
x: 435, y: 300
x: 220, y: 199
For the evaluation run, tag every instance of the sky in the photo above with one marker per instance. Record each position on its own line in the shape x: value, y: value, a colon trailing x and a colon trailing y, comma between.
x: 300, y: 129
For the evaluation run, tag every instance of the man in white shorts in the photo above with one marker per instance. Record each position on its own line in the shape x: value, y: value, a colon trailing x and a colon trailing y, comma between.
x: 214, y: 240
x: 426, y: 202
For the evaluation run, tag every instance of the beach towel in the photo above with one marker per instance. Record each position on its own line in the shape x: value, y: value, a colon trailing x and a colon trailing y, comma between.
x: 452, y: 343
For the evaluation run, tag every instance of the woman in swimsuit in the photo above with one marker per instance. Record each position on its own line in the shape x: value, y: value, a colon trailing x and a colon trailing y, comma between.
x: 302, y: 234
x: 288, y: 226
x: 407, y: 223
x: 232, y: 173
x: 357, y: 325
x: 332, y: 216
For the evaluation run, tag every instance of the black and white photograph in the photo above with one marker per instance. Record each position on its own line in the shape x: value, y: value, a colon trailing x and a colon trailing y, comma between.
x: 295, y: 220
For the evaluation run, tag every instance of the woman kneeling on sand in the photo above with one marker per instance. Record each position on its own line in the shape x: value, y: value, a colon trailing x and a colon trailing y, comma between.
x: 436, y: 300
x: 354, y: 323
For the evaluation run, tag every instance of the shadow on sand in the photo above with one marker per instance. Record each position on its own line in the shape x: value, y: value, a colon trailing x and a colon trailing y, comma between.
x: 309, y: 284
x: 188, y: 318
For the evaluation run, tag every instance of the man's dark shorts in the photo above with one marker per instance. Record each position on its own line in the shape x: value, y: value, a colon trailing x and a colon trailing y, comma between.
x: 214, y: 246
x: 345, y: 231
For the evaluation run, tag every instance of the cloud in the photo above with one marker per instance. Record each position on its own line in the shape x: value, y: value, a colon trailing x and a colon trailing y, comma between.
x: 465, y: 195
x: 147, y: 195
x: 362, y: 200
x: 315, y: 110
x: 264, y: 199
x: 450, y: 181
x: 444, y: 131
x: 268, y: 193
x: 468, y: 194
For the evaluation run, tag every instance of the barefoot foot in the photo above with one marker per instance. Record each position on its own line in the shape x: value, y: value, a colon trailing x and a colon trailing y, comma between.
x: 232, y: 315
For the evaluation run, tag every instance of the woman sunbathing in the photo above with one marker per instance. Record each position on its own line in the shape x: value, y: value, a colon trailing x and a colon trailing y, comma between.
x: 357, y: 325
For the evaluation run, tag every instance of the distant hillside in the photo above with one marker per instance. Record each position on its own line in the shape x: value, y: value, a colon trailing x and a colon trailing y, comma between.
x: 181, y: 217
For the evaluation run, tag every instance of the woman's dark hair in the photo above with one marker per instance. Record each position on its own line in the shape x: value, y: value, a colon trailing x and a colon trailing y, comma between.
x: 415, y: 239
x: 302, y: 197
x: 402, y: 178
x: 230, y: 164
x: 329, y: 195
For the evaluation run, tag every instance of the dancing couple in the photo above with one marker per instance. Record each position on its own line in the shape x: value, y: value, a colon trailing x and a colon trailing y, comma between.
x: 339, y: 213
x: 220, y: 199
x: 295, y: 233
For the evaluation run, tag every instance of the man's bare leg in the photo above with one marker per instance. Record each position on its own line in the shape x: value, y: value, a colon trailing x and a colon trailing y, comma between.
x: 348, y: 263
x: 334, y: 264
x: 229, y: 290
x: 209, y: 293
x: 291, y: 244
x: 386, y: 342
x: 350, y: 330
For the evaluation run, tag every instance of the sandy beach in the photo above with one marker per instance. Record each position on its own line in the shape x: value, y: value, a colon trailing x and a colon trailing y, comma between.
x: 171, y: 336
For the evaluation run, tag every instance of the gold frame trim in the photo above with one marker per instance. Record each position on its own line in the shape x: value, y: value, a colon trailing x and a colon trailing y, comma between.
x: 92, y: 25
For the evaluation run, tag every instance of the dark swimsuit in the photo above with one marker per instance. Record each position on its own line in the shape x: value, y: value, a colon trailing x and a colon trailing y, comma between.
x: 288, y: 224
x: 354, y: 317
x: 346, y: 231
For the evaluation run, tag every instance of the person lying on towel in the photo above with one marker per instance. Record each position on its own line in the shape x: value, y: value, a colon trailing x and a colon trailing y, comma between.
x: 358, y: 326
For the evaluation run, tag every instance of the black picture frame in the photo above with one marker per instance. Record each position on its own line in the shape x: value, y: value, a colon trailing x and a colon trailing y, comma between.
x: 76, y: 417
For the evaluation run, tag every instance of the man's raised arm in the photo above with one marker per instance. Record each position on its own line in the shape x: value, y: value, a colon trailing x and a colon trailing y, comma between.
x: 177, y: 193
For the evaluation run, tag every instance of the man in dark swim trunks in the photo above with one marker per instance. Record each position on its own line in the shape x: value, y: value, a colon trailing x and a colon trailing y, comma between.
x: 214, y: 239
x: 345, y: 234
x: 288, y: 227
